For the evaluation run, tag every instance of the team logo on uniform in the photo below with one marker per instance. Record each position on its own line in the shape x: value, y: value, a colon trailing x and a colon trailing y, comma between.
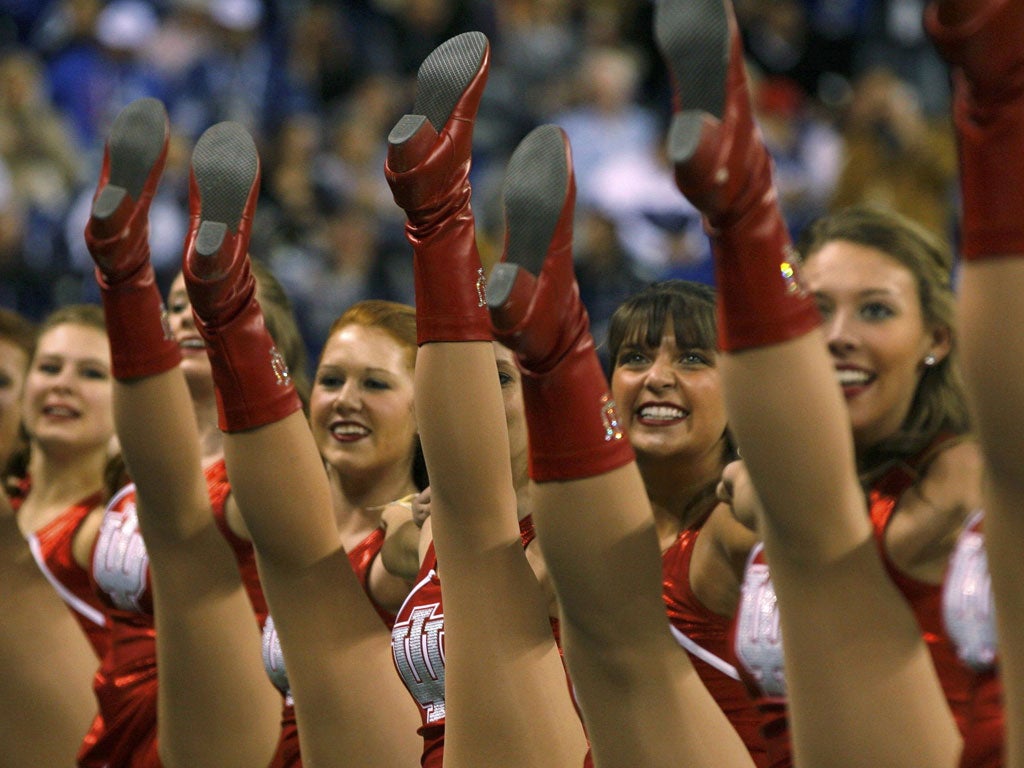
x: 481, y: 287
x: 280, y: 367
x: 418, y: 646
x: 610, y: 419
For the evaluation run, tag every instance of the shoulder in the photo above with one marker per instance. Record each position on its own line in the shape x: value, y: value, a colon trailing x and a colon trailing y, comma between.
x: 952, y: 477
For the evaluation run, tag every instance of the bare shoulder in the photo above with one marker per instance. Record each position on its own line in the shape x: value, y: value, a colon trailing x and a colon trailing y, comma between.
x: 930, y: 515
x: 953, y: 477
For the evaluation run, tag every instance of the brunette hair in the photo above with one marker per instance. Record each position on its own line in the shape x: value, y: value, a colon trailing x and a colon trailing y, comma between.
x: 939, y: 405
x: 279, y: 317
x: 641, y: 320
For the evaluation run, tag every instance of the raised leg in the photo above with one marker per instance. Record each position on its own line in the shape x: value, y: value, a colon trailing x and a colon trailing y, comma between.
x: 981, y: 41
x: 593, y: 519
x: 200, y: 604
x: 350, y: 705
x: 784, y: 407
x: 505, y: 686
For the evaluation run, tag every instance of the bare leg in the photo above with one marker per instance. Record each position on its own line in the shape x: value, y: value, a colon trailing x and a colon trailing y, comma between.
x: 982, y: 42
x: 350, y: 705
x: 505, y: 686
x: 208, y: 646
x: 859, y: 676
x: 642, y: 701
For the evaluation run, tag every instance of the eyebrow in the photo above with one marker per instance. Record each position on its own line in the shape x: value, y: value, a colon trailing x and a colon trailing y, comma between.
x: 75, y: 360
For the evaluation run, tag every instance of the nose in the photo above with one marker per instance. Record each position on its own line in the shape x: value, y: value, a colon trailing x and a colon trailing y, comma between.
x: 348, y: 398
x: 839, y: 333
x: 661, y: 375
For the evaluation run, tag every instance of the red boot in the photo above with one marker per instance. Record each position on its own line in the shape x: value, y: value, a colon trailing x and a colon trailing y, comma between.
x: 723, y: 168
x: 251, y: 377
x: 428, y: 162
x: 983, y: 41
x: 573, y: 427
x: 117, y: 235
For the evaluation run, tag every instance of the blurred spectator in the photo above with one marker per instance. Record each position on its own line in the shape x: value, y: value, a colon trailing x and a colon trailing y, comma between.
x: 604, y: 271
x: 607, y: 121
x: 34, y: 141
x: 182, y: 40
x: 804, y: 144
x: 894, y: 155
x: 894, y: 39
x: 637, y: 192
x: 241, y: 77
x: 93, y: 78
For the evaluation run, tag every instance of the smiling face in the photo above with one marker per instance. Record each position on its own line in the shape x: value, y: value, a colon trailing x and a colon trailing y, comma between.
x: 361, y: 408
x: 876, y: 334
x: 13, y: 362
x: 194, y: 362
x: 671, y: 399
x: 68, y: 402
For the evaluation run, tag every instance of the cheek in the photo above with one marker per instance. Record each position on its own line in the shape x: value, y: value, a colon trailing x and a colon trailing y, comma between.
x: 623, y: 389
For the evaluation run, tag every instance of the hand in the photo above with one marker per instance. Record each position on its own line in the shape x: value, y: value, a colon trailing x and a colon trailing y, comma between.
x: 736, y: 489
x: 421, y: 507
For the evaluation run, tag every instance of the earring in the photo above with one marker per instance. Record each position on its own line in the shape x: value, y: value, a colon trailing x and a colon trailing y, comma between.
x: 929, y: 361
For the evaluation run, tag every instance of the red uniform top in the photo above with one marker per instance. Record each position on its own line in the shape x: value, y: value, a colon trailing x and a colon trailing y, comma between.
x: 123, y: 735
x: 705, y: 636
x: 973, y: 697
x: 417, y: 643
x: 361, y: 557
x: 51, y: 548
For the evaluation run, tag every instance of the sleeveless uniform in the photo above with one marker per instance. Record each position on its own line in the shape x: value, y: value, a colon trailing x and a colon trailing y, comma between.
x: 969, y: 616
x: 759, y: 649
x: 51, y: 548
x: 124, y: 734
x: 417, y: 643
x: 704, y: 635
x: 288, y: 755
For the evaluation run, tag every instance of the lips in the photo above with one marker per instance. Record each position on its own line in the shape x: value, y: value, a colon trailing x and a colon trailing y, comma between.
x: 348, y: 431
x: 60, y: 411
x: 191, y: 343
x: 660, y: 414
x: 853, y: 380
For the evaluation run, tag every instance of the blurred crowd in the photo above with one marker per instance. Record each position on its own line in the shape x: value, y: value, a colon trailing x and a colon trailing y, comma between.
x: 852, y: 101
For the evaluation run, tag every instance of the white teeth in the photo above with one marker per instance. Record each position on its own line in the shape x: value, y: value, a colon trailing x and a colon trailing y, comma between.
x: 345, y: 430
x: 192, y: 344
x: 848, y: 377
x: 661, y: 413
x: 55, y: 410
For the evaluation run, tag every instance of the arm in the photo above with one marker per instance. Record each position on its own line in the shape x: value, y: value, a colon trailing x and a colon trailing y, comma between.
x: 46, y: 665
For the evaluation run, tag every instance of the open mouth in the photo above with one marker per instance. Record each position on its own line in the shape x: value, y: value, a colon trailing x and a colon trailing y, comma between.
x: 661, y: 414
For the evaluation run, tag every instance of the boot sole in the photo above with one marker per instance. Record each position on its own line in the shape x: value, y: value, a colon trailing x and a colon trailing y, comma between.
x: 441, y: 81
x: 136, y: 141
x: 225, y: 165
x: 536, y: 183
x: 693, y: 37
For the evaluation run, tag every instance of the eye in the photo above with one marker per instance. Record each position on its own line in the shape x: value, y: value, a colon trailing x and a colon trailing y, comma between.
x: 631, y: 358
x: 372, y: 383
x: 5, y: 381
x: 50, y: 367
x: 330, y: 381
x: 824, y: 307
x: 94, y: 373
x: 177, y: 305
x: 506, y: 379
x: 876, y: 311
x: 695, y: 358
